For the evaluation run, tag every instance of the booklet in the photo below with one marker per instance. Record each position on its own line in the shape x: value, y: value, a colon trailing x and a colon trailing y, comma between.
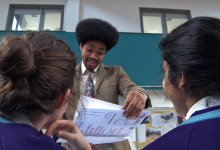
x: 103, y: 122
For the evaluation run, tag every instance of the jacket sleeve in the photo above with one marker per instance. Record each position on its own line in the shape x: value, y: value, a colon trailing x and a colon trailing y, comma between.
x: 126, y: 85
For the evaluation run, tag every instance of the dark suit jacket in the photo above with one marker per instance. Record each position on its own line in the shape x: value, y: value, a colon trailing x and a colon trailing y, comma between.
x: 111, y: 82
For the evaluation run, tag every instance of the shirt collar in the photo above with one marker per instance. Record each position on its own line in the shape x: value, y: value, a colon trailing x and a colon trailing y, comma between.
x: 19, y: 118
x: 83, y: 68
x: 206, y: 102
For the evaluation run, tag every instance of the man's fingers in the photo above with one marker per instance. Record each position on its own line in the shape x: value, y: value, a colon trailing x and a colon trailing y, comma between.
x: 134, y: 112
x: 128, y: 100
x: 134, y: 106
x: 131, y: 109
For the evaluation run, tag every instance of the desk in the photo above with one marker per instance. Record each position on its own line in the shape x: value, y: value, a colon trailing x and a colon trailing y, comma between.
x: 161, y: 121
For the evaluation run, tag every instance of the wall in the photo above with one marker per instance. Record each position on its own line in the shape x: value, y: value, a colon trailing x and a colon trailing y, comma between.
x: 124, y: 14
x: 71, y: 10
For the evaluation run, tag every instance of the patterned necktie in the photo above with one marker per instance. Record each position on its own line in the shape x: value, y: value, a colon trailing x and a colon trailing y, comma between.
x: 90, y: 88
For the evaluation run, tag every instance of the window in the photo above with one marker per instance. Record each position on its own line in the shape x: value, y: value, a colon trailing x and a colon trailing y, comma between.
x: 35, y: 18
x: 162, y: 20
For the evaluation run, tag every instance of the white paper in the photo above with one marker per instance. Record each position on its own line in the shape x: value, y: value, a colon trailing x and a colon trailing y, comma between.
x: 168, y: 126
x: 141, y: 132
x: 156, y: 120
x: 103, y: 122
x: 98, y: 104
x: 101, y: 140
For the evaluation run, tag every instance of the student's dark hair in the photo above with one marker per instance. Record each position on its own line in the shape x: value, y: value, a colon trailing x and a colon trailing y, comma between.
x: 97, y: 29
x: 193, y: 49
x: 35, y: 67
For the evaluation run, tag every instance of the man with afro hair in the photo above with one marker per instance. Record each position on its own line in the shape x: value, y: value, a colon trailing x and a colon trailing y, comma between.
x: 96, y: 37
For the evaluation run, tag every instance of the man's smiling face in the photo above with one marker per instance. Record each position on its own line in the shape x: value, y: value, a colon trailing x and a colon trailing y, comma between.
x: 92, y: 53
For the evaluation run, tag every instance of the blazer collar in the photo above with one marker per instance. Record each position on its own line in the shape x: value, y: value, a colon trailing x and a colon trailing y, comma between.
x: 77, y: 79
x: 100, y: 76
x: 78, y: 70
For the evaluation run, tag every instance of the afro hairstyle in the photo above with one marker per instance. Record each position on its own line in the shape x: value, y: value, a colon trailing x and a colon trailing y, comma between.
x: 97, y: 29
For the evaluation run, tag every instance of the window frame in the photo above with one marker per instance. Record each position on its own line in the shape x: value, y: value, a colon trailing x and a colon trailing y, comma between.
x: 162, y: 11
x: 12, y: 7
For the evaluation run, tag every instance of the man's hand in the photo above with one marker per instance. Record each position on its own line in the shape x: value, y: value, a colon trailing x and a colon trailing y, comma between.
x: 134, y: 104
x: 67, y: 130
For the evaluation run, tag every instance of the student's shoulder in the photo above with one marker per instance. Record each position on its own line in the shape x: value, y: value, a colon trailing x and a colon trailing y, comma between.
x: 175, y: 139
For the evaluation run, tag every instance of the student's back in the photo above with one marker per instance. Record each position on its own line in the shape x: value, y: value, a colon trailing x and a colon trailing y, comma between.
x: 191, y: 64
x: 201, y: 135
x: 37, y: 71
x: 23, y: 137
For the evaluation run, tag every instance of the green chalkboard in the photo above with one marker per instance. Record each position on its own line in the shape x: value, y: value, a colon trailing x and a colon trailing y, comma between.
x: 137, y: 53
x: 140, y: 56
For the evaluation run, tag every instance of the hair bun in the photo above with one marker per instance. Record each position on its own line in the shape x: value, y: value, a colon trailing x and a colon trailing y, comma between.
x: 17, y: 60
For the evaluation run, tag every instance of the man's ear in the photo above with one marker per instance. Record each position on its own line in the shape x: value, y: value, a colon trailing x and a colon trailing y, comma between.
x: 182, y: 81
x: 62, y: 98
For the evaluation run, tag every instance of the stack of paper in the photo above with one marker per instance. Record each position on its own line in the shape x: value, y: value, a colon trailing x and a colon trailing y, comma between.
x: 103, y: 122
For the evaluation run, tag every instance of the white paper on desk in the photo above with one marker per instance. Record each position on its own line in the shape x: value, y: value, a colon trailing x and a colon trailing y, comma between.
x: 100, y: 119
x: 101, y: 140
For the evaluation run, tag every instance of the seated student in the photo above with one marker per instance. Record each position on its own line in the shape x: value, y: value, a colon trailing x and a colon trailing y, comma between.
x: 191, y: 62
x: 37, y: 71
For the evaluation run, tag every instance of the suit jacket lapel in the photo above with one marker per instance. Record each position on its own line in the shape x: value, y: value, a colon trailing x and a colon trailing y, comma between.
x: 100, y: 76
x: 77, y: 80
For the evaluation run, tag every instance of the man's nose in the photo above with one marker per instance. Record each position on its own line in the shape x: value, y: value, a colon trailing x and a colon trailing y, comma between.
x: 93, y: 56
